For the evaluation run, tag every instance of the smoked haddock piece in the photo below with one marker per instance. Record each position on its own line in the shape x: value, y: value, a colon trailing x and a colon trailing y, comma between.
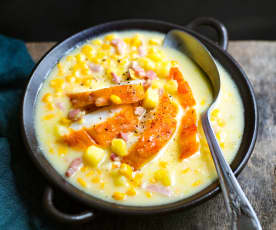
x: 187, y: 139
x: 78, y: 139
x: 102, y: 133
x: 124, y: 121
x: 158, y: 132
x: 184, y: 91
x: 129, y: 94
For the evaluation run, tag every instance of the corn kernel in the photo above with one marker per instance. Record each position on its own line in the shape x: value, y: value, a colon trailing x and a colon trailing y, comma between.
x: 97, y: 42
x: 151, y: 99
x: 96, y: 179
x: 148, y: 194
x: 163, y: 164
x: 88, y: 82
x: 126, y: 170
x: 163, y: 69
x: 147, y: 63
x: 196, y: 183
x: 171, y: 86
x: 119, y: 147
x: 109, y: 37
x: 93, y: 155
x: 221, y: 122
x: 90, y: 173
x: 203, y: 102
x: 61, y: 70
x: 50, y: 106
x: 127, y: 40
x: 106, y: 46
x: 131, y: 192
x: 65, y: 121
x: 185, y: 170
x: 102, y: 184
x: 48, y: 117
x: 82, y: 182
x: 137, y: 180
x: 174, y: 63
x: 154, y: 41
x: 163, y: 176
x: 62, y: 150
x: 118, y: 196
x: 152, y: 180
x: 58, y: 92
x: 70, y: 58
x: 115, y: 99
x: 120, y: 181
x: 80, y: 58
x: 136, y: 40
x: 47, y: 98
x: 61, y: 130
x: 84, y: 168
x: 70, y: 79
x: 87, y: 50
x: 57, y: 83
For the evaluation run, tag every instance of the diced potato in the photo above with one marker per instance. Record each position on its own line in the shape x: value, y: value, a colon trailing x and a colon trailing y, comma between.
x: 171, y: 86
x: 118, y: 196
x: 163, y: 176
x: 93, y: 155
x: 151, y: 99
x: 126, y: 170
x: 163, y: 69
x: 61, y: 130
x: 115, y: 99
x: 119, y: 147
x: 156, y: 84
x: 120, y: 180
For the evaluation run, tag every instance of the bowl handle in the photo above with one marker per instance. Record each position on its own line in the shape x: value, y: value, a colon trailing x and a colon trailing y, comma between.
x: 217, y: 25
x: 50, y: 208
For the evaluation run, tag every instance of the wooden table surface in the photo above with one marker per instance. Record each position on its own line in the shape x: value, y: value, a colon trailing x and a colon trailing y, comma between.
x: 258, y: 179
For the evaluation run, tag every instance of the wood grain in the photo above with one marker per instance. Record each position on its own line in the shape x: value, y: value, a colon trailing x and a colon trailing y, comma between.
x: 258, y: 179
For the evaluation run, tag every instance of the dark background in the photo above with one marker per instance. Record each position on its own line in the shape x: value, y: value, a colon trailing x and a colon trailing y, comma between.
x: 54, y: 20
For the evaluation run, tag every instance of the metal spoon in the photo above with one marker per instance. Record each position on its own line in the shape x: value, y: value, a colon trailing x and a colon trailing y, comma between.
x: 243, y: 217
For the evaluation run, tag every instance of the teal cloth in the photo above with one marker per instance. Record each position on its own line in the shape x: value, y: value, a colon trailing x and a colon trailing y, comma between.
x: 21, y: 185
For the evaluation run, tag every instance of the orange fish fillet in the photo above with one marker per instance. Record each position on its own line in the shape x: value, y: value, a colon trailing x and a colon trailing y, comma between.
x: 103, y: 133
x: 79, y: 139
x: 124, y: 121
x: 187, y: 140
x: 157, y: 133
x: 128, y: 93
x: 184, y: 91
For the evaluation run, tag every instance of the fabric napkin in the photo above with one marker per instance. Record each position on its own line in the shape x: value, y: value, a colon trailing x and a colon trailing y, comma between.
x: 21, y: 185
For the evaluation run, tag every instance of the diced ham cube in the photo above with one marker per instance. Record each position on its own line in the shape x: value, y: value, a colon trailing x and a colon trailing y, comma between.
x: 123, y: 136
x: 139, y: 111
x: 119, y: 45
x: 150, y: 74
x: 74, y: 166
x: 96, y: 68
x: 75, y: 114
x: 158, y: 188
x: 142, y: 50
x: 115, y: 78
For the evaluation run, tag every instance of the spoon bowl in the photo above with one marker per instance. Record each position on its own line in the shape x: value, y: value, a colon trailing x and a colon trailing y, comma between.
x: 238, y: 207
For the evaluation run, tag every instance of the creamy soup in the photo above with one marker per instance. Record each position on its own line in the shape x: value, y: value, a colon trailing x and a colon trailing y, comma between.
x: 118, y: 117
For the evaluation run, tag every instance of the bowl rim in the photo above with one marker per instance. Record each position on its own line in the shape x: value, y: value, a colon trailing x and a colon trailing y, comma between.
x: 55, y: 179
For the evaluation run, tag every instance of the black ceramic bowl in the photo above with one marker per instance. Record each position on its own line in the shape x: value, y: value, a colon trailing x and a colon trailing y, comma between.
x: 56, y: 180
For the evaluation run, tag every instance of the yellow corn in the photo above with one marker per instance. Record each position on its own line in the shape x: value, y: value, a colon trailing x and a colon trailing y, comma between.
x: 109, y: 37
x: 120, y: 180
x: 102, y: 184
x: 148, y: 194
x: 126, y: 170
x: 47, y: 98
x: 57, y: 83
x: 61, y: 130
x: 185, y: 170
x: 118, y: 196
x: 96, y: 179
x: 90, y: 173
x: 87, y: 50
x: 48, y: 116
x: 84, y: 168
x: 154, y: 41
x: 156, y: 84
x: 70, y: 58
x: 137, y: 180
x: 163, y: 176
x: 62, y: 150
x: 65, y: 121
x: 97, y: 42
x: 61, y: 70
x: 82, y: 182
x: 80, y: 58
x: 50, y: 106
x: 70, y: 79
x: 131, y: 192
x: 136, y: 40
x: 88, y: 82
x: 163, y: 164
x: 106, y: 46
x: 115, y: 99
x: 196, y: 183
x: 215, y: 114
x: 119, y: 147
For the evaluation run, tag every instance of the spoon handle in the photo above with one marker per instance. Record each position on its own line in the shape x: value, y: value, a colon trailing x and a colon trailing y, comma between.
x: 239, y: 208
